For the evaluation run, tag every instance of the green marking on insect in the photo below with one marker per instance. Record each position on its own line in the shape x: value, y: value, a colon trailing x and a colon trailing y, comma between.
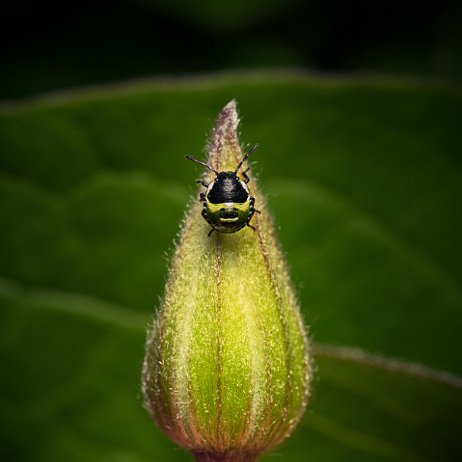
x: 227, y: 203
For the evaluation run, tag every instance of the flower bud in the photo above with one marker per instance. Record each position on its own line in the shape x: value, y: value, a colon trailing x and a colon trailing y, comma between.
x: 227, y: 370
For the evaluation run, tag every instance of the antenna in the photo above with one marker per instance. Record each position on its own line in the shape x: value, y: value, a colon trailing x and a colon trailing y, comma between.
x: 245, y: 157
x: 202, y: 163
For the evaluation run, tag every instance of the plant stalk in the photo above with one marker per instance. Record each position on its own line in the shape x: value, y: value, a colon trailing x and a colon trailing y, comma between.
x: 223, y: 457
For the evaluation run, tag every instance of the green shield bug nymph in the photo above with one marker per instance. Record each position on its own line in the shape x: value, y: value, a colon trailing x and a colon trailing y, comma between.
x: 228, y: 205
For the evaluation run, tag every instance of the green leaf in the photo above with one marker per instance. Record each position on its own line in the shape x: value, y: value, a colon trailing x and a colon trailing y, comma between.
x: 364, y: 180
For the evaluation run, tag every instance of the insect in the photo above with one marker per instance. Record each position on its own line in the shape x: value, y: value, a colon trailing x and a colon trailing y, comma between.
x: 228, y: 205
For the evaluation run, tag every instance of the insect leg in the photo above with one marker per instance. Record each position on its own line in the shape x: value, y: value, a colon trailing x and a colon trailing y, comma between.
x: 252, y: 202
x: 202, y: 182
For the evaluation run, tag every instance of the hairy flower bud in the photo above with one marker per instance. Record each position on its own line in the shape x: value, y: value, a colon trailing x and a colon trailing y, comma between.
x: 226, y: 373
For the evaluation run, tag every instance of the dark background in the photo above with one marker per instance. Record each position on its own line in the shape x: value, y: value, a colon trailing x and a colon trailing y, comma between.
x: 56, y: 46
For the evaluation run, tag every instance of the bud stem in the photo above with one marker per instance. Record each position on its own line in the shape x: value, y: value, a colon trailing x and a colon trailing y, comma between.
x: 223, y: 457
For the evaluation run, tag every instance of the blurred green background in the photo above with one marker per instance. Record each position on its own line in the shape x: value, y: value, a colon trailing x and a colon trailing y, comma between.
x: 357, y: 108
